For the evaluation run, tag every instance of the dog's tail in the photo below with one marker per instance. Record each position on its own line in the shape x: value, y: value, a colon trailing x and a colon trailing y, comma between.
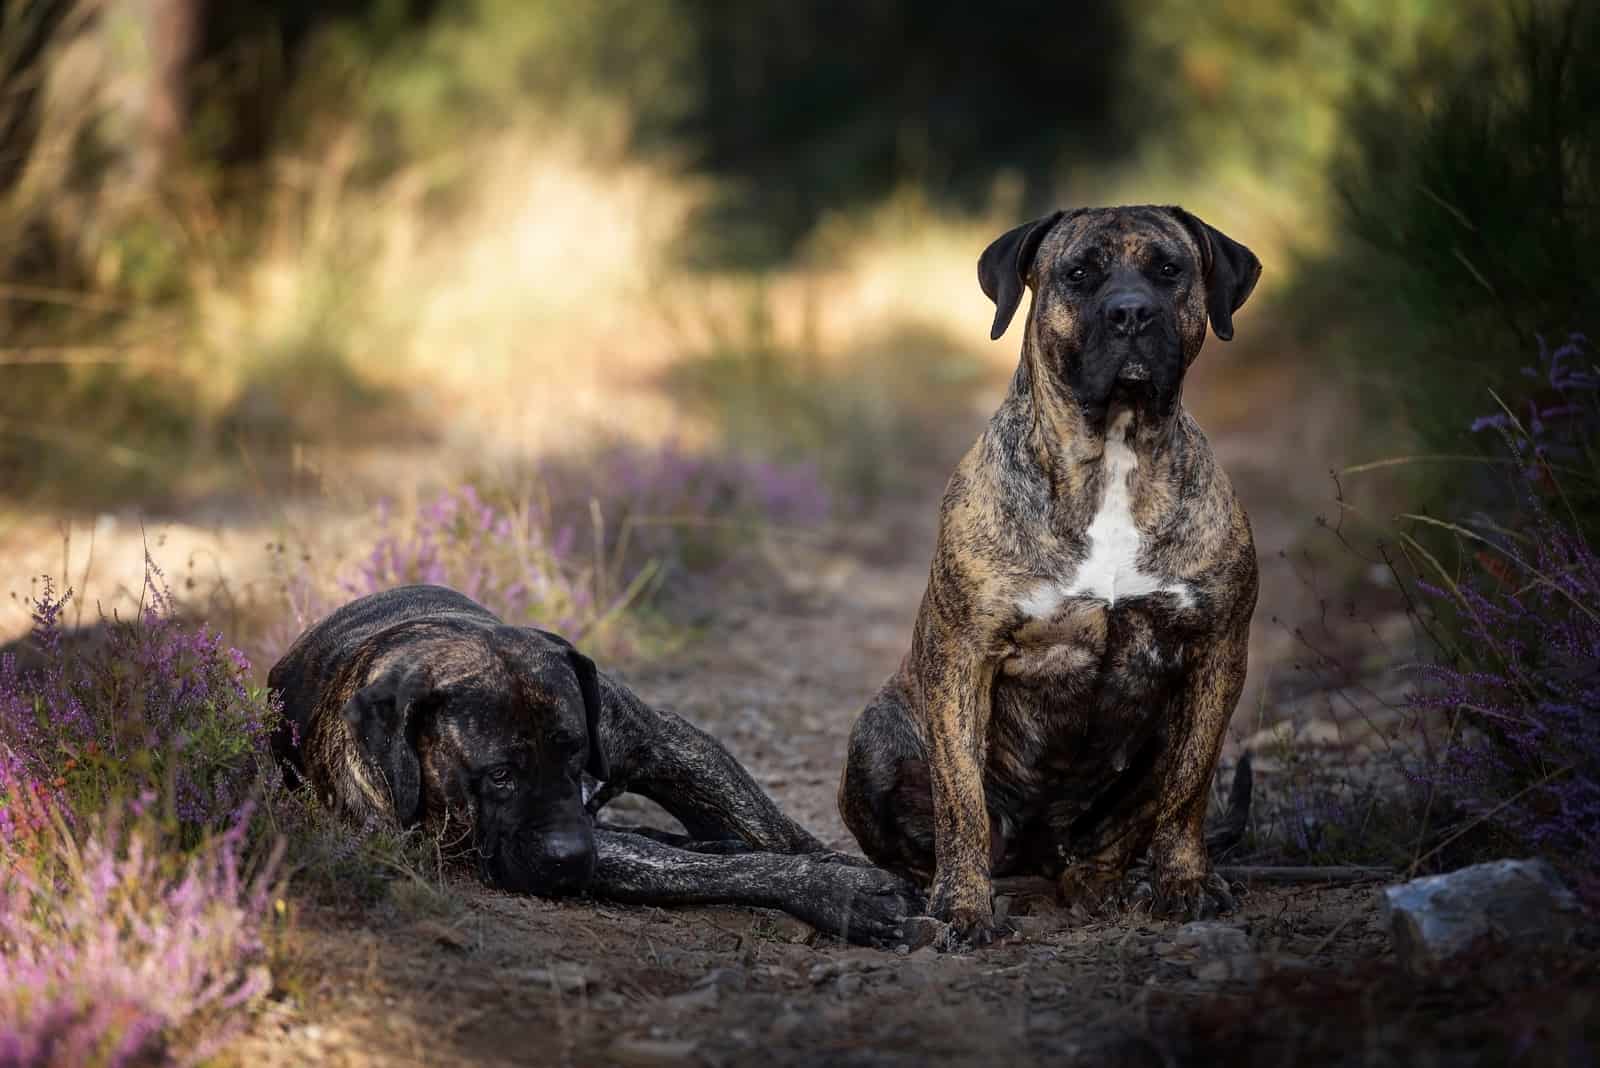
x: 1229, y: 830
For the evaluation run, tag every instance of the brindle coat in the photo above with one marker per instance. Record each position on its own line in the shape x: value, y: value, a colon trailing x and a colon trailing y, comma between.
x: 1082, y: 640
x: 418, y: 707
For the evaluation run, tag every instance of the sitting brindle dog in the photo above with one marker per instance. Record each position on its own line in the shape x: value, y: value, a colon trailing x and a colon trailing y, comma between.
x: 417, y: 706
x: 1081, y: 643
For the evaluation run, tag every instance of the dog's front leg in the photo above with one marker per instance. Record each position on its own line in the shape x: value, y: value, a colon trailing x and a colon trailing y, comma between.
x: 660, y: 755
x: 862, y: 904
x: 957, y: 679
x: 1183, y: 879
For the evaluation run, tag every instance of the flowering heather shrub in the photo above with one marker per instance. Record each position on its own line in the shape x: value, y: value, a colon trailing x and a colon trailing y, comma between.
x: 531, y: 557
x: 686, y: 510
x: 128, y: 934
x: 127, y: 951
x: 506, y: 557
x: 155, y: 706
x: 1532, y: 623
x: 1554, y: 427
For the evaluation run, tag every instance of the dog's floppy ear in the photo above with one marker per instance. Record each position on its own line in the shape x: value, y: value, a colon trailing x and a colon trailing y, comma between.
x: 1003, y: 268
x: 1230, y: 269
x: 383, y: 717
x: 589, y: 686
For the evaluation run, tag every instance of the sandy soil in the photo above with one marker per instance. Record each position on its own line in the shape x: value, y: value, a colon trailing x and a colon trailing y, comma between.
x: 456, y: 974
x: 488, y: 978
x: 480, y: 977
x: 469, y: 976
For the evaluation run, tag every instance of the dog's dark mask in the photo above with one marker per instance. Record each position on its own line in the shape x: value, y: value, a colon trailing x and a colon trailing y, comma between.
x: 499, y: 732
x: 1121, y: 298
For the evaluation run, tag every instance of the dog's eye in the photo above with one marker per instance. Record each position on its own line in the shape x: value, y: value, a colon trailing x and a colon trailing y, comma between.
x: 1077, y: 274
x: 1170, y: 270
x: 502, y: 779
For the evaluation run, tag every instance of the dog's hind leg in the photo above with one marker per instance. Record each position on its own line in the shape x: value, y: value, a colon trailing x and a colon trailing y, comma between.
x: 862, y: 904
x: 660, y: 755
x: 885, y: 790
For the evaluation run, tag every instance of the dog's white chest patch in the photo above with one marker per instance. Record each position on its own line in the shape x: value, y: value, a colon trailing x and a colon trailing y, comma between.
x: 1111, y: 571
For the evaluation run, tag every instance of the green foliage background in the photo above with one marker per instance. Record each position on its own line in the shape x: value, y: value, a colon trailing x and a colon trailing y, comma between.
x: 1422, y: 172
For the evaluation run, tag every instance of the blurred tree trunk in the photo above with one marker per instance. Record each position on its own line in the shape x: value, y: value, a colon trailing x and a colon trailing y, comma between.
x: 170, y: 32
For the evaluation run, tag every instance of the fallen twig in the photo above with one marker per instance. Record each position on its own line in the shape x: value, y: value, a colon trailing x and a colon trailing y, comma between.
x: 1303, y: 873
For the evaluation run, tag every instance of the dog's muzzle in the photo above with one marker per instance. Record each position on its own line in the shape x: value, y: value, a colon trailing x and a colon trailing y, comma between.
x: 1136, y: 338
x: 555, y: 865
x: 543, y: 853
x: 1130, y: 315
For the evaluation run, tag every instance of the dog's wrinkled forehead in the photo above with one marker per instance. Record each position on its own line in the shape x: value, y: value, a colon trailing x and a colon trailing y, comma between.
x: 546, y: 687
x: 454, y: 662
x: 506, y: 690
x: 548, y: 698
x: 1113, y: 236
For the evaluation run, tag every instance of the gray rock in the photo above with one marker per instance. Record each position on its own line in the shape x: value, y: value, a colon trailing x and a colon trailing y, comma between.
x: 1237, y: 968
x: 728, y: 979
x: 1213, y: 953
x: 1212, y: 940
x: 824, y: 970
x: 1519, y: 903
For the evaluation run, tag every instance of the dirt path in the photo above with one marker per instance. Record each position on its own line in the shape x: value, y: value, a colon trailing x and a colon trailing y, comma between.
x: 458, y: 974
x: 480, y: 977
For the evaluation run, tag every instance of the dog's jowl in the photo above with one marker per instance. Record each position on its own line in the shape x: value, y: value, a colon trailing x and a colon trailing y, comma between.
x: 417, y: 706
x: 1081, y: 643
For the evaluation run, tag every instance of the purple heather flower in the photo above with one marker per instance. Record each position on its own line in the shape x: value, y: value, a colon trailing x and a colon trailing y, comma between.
x: 108, y: 962
x: 1532, y: 691
x: 157, y: 699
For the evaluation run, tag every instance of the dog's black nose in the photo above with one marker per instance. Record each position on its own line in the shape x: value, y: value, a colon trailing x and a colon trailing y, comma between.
x: 1128, y: 313
x: 566, y: 862
x: 550, y: 863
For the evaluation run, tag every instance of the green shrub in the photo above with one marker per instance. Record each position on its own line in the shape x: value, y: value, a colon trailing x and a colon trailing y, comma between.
x: 1469, y: 227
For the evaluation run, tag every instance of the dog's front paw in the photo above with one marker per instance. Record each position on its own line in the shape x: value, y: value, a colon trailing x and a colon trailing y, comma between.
x: 865, y: 905
x: 964, y: 904
x: 1202, y: 898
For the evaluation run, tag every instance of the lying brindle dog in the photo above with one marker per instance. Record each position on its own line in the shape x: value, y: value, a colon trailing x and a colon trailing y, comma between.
x: 417, y: 706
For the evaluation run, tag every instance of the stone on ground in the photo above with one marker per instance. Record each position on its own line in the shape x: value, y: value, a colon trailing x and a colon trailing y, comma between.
x: 1517, y: 903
